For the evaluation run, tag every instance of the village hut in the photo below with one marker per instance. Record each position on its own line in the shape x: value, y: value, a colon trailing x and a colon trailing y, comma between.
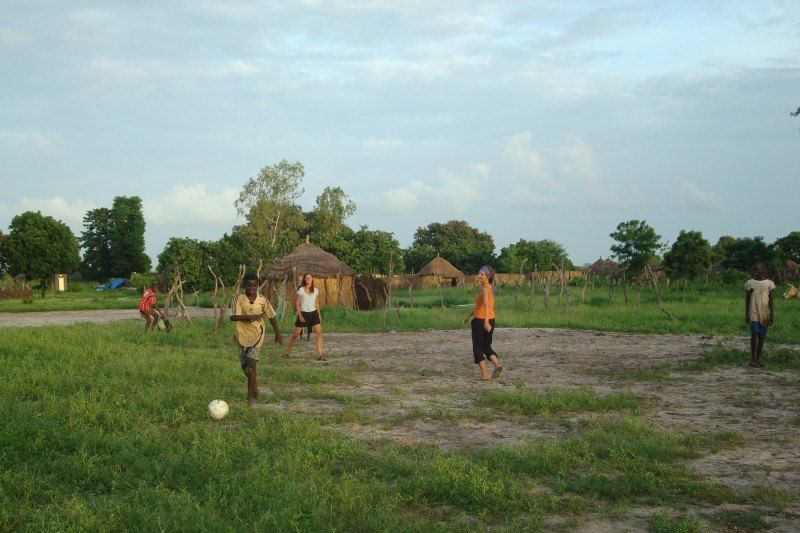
x: 332, y: 277
x: 603, y: 268
x: 439, y: 272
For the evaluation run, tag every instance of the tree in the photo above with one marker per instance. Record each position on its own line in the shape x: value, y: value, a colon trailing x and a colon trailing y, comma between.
x: 721, y: 250
x: 789, y: 246
x: 416, y: 257
x: 524, y: 255
x: 96, y: 243
x: 333, y: 207
x: 371, y: 250
x: 126, y: 237
x: 744, y: 253
x: 636, y: 246
x: 689, y: 256
x: 259, y: 236
x: 3, y: 258
x: 40, y: 246
x: 190, y: 255
x: 464, y: 246
x: 273, y: 192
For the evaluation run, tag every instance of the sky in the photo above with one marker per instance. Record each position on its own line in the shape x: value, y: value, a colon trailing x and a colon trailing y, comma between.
x: 530, y: 120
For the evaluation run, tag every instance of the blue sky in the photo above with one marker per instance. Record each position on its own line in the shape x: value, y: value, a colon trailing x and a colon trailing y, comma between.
x: 528, y: 119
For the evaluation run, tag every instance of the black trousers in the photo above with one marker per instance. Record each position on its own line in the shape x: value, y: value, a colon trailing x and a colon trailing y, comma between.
x: 481, y: 340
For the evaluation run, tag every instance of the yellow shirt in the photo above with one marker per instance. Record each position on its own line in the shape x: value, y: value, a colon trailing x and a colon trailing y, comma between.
x: 759, y: 299
x: 251, y: 334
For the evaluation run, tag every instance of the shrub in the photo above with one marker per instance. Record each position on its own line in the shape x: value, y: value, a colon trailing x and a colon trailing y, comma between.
x: 733, y: 276
x: 140, y: 281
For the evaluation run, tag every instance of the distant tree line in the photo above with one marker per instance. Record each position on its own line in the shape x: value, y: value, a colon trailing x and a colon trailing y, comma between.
x: 274, y: 224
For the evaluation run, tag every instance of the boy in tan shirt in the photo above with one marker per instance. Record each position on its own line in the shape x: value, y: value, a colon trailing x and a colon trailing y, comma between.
x: 249, y: 310
x: 759, y: 311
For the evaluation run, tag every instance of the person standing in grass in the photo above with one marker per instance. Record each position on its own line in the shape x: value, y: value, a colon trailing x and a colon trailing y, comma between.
x: 306, y: 307
x: 483, y: 326
x: 248, y: 310
x: 759, y: 311
x: 148, y: 309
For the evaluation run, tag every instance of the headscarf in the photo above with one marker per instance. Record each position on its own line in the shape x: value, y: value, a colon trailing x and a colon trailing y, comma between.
x: 487, y: 271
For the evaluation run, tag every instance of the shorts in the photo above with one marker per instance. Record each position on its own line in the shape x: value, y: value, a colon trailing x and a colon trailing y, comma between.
x: 312, y: 319
x: 757, y: 328
x: 245, y: 354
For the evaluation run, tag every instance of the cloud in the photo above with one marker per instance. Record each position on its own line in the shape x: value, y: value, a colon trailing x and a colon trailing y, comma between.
x: 26, y: 140
x: 14, y: 36
x: 575, y: 163
x: 450, y: 192
x: 519, y: 149
x: 523, y: 198
x: 59, y: 208
x: 192, y: 205
x: 697, y: 198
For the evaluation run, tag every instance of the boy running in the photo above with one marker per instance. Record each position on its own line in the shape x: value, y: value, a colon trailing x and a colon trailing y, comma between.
x: 248, y: 310
x: 759, y: 311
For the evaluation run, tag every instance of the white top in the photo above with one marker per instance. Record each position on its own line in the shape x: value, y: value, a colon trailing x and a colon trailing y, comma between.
x: 308, y: 302
x: 759, y: 299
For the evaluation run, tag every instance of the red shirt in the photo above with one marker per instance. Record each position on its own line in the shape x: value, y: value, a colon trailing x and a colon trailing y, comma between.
x: 148, y: 300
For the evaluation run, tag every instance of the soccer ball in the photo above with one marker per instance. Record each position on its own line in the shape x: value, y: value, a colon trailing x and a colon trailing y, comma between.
x: 218, y: 409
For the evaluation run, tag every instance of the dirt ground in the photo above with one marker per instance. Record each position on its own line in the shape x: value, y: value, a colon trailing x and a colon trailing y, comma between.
x: 428, y: 380
x: 63, y: 318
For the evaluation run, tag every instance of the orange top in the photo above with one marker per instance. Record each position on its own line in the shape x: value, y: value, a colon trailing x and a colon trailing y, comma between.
x: 484, y: 309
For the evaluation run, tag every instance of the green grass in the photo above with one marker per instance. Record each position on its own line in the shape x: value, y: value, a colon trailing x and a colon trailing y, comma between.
x: 104, y: 428
x: 773, y: 359
x: 716, y: 309
x: 664, y: 523
x: 524, y: 402
x: 741, y: 520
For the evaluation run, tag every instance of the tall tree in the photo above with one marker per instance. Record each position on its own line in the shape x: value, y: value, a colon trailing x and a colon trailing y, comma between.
x: 721, y: 250
x: 524, y: 255
x: 689, y: 255
x: 273, y: 192
x: 636, y: 245
x: 191, y: 256
x: 332, y: 208
x: 467, y: 248
x: 96, y: 243
x: 258, y: 235
x: 40, y: 246
x: 126, y: 241
x: 789, y: 246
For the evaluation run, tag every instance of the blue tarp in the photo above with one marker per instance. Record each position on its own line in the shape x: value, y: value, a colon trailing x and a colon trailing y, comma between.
x: 113, y: 284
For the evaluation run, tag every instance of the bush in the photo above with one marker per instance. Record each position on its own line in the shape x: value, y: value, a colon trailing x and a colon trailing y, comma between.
x: 733, y: 276
x: 9, y: 290
x: 141, y: 281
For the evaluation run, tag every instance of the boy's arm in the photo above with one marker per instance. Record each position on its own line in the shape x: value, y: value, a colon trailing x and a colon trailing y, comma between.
x: 278, y: 336
x: 771, y: 319
x: 747, y: 307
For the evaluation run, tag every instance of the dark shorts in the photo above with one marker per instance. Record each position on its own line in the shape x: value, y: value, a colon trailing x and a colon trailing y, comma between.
x: 312, y: 319
x: 481, y: 340
x: 247, y: 354
x: 757, y: 328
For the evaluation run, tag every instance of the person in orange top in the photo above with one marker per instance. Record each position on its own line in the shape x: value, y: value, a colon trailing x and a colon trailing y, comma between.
x: 483, y: 326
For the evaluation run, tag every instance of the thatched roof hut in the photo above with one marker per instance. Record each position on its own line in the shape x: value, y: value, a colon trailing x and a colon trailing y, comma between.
x: 440, y: 271
x: 312, y: 259
x: 332, y: 277
x: 603, y: 268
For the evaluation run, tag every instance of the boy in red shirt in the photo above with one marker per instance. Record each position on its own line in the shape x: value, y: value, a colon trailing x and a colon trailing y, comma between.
x: 148, y: 308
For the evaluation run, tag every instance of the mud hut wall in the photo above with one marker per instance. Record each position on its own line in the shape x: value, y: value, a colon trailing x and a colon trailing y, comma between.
x: 329, y: 291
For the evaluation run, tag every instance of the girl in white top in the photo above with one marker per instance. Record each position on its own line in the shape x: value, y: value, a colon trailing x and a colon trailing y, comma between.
x: 306, y: 308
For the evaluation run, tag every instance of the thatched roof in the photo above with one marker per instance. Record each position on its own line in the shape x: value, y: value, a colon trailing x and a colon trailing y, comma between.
x: 603, y: 267
x: 440, y: 267
x: 309, y: 258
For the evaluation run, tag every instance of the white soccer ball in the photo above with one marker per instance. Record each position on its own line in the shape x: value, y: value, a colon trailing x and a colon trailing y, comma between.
x: 218, y: 409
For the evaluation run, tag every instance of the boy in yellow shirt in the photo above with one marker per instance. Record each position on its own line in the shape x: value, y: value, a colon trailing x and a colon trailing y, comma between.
x: 248, y: 311
x: 759, y: 311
